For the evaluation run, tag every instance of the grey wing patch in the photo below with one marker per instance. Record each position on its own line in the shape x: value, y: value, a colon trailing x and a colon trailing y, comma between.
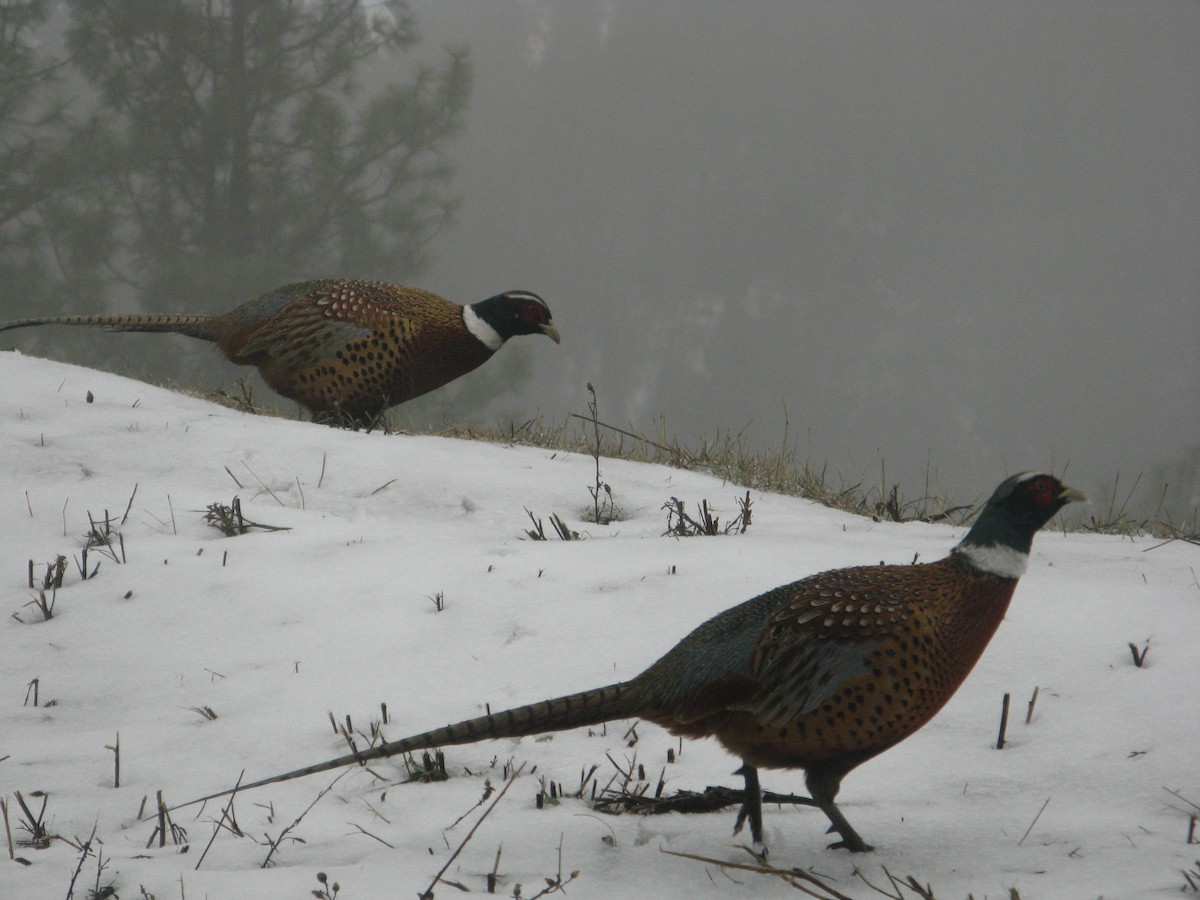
x: 802, y: 673
x: 301, y: 337
x: 309, y: 342
x: 712, y: 667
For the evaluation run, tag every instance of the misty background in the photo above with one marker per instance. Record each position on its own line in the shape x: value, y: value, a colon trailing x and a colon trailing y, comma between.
x: 931, y: 240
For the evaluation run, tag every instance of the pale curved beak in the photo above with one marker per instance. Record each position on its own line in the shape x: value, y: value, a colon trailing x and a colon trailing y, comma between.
x: 550, y: 331
x: 1069, y: 494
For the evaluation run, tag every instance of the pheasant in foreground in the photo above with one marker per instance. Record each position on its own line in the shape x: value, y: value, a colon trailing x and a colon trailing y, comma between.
x: 821, y: 674
x: 349, y: 349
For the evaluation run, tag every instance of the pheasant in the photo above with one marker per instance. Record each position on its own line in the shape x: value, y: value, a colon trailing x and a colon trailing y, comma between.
x: 821, y: 674
x: 348, y: 350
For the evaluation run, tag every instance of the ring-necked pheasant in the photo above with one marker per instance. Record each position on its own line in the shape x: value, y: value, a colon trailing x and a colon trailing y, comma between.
x: 821, y: 674
x: 349, y: 349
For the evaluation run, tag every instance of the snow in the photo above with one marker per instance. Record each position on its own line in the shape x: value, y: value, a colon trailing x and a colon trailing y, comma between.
x: 273, y: 631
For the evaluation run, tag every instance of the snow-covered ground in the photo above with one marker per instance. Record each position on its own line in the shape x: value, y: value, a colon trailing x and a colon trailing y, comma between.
x: 273, y: 631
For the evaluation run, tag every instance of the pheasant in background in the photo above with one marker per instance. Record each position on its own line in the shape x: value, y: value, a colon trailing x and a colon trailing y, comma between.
x: 348, y: 350
x: 821, y: 674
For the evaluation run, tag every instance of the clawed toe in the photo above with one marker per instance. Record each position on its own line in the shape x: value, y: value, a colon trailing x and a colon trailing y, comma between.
x: 851, y: 846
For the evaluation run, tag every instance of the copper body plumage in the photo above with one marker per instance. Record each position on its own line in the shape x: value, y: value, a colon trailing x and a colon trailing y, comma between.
x: 822, y: 674
x: 349, y: 349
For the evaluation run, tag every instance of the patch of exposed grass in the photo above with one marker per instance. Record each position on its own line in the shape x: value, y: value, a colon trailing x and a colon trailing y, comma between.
x: 779, y: 470
x: 240, y: 397
x: 228, y: 519
x: 705, y: 522
x: 561, y: 528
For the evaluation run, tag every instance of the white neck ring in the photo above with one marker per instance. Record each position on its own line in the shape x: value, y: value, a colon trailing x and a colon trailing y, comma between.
x: 996, y: 559
x: 487, y: 335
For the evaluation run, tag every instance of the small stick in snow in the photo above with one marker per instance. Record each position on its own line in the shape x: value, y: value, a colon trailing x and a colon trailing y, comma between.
x: 85, y: 851
x: 789, y: 876
x: 1003, y: 722
x: 1139, y: 656
x: 279, y: 840
x: 7, y: 828
x: 494, y: 874
x: 116, y: 749
x: 226, y: 817
x: 162, y: 821
x: 427, y: 894
x: 1034, y: 822
x: 1032, y: 702
x: 129, y: 505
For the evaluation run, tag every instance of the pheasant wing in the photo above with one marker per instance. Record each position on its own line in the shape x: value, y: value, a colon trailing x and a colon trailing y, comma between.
x: 309, y: 322
x: 822, y: 638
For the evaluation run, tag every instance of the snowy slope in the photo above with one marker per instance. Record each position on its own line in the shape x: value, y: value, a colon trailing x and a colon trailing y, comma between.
x: 272, y: 631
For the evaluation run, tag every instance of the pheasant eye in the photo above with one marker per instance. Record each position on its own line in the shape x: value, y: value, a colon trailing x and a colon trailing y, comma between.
x: 1041, y: 490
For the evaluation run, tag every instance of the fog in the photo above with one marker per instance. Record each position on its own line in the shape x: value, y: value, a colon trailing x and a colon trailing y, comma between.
x: 950, y: 238
x: 942, y: 241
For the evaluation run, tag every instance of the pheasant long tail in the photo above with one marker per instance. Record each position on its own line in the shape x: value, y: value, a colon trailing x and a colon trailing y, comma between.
x: 559, y: 714
x: 203, y: 327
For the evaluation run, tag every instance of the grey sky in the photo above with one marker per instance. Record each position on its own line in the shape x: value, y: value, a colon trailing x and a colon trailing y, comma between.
x: 962, y: 237
x: 961, y: 234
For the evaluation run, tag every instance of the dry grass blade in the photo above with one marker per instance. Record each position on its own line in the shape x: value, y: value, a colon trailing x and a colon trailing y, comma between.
x: 781, y: 470
x: 1032, y: 704
x: 427, y: 894
x: 84, y: 853
x: 1000, y: 738
x: 1174, y: 533
x: 1183, y: 798
x: 538, y: 531
x: 711, y: 799
x: 100, y: 536
x: 7, y: 828
x: 165, y: 825
x: 604, y: 510
x: 564, y: 531
x: 226, y: 820
x: 1034, y: 822
x: 262, y: 483
x: 39, y: 838
x: 44, y: 604
x: 561, y: 528
x: 675, y: 451
x: 1139, y: 656
x: 376, y: 837
x: 53, y: 579
x: 241, y: 398
x: 680, y: 524
x: 805, y: 882
x: 555, y: 884
x: 923, y: 892
x: 276, y: 842
x: 230, y: 521
x: 431, y: 768
x: 488, y: 790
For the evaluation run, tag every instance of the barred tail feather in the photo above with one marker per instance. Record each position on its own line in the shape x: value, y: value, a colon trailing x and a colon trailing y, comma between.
x: 558, y: 714
x: 202, y: 327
